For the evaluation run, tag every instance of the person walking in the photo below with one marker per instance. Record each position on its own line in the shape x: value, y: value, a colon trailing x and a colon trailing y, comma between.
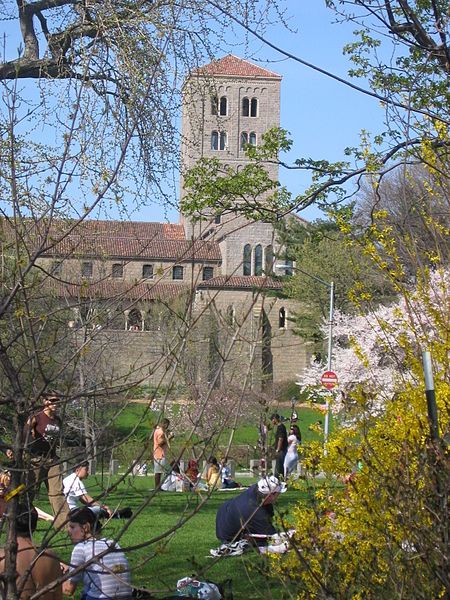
x: 291, y: 458
x: 280, y: 444
x: 160, y: 446
x: 44, y: 431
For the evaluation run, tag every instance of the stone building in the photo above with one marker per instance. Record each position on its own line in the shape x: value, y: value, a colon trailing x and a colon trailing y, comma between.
x: 194, y: 301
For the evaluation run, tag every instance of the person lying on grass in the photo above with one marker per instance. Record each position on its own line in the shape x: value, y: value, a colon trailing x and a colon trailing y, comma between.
x: 108, y: 574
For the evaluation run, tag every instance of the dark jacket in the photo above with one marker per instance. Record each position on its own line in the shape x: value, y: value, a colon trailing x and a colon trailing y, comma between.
x: 244, y: 514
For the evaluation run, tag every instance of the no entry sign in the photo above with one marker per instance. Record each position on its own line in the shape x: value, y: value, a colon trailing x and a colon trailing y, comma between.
x: 329, y: 380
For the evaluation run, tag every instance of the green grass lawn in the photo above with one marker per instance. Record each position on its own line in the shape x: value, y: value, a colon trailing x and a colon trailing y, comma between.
x: 245, y: 436
x: 159, y: 563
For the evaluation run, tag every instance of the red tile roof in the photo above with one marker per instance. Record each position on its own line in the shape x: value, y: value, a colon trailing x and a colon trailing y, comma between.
x: 232, y: 66
x: 241, y: 282
x: 127, y: 229
x: 115, y: 239
x: 104, y: 247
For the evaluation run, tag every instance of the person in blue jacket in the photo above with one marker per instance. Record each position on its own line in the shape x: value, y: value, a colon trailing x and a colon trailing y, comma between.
x: 251, y: 512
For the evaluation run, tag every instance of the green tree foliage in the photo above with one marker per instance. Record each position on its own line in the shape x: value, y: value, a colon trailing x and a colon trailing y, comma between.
x: 401, y: 49
x: 250, y: 191
x: 321, y: 251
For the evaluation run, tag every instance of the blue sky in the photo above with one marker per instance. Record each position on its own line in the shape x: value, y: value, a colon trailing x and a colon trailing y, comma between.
x: 322, y: 115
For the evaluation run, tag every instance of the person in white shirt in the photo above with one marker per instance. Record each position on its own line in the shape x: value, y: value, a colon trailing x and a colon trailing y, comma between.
x: 77, y: 495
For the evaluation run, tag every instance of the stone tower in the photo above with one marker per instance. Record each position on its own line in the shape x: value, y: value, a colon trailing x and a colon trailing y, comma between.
x: 227, y: 104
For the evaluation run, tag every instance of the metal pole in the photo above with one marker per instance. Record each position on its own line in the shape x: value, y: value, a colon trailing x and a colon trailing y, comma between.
x: 430, y: 395
x: 330, y: 354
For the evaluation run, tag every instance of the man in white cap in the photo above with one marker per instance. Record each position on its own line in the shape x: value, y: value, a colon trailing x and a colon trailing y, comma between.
x: 251, y: 512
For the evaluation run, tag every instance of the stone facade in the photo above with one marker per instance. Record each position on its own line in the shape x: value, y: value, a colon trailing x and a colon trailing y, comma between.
x: 190, y: 302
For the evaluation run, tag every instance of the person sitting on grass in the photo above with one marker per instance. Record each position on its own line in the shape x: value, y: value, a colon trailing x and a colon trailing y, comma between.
x: 213, y: 473
x: 105, y: 577
x: 174, y: 480
x: 77, y: 496
x: 250, y: 513
x: 228, y: 482
x: 192, y: 472
x: 35, y: 570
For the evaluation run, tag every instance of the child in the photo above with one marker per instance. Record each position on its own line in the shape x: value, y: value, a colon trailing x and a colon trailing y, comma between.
x: 106, y: 577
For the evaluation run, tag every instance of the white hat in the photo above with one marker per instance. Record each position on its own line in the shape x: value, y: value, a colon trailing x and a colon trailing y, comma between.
x: 271, y: 485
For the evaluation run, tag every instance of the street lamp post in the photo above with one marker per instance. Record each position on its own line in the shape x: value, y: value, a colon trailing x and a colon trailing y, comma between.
x: 330, y: 286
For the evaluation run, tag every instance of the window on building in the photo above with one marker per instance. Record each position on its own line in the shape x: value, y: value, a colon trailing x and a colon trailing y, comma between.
x: 247, y: 260
x: 245, y: 107
x: 268, y: 262
x: 282, y: 318
x: 252, y: 138
x: 218, y: 140
x: 57, y: 268
x: 208, y: 273
x: 215, y: 140
x: 217, y: 219
x: 288, y: 267
x: 223, y: 140
x: 86, y: 269
x: 214, y: 104
x: 147, y: 271
x: 134, y: 320
x: 177, y: 272
x: 258, y: 260
x: 254, y: 107
x: 223, y: 105
x: 117, y: 270
x: 244, y: 140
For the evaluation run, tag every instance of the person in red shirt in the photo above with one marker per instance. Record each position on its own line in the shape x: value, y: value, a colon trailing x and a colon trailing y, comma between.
x: 44, y: 432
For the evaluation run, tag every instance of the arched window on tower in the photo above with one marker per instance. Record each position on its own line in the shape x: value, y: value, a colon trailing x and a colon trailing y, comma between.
x: 247, y: 260
x: 282, y: 318
x: 254, y: 107
x: 252, y: 138
x: 245, y: 107
x: 258, y: 260
x: 214, y: 104
x: 268, y: 262
x: 223, y: 140
x: 244, y: 140
x: 214, y: 140
x: 223, y: 106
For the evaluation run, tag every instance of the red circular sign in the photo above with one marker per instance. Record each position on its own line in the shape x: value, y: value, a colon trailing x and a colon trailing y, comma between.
x: 329, y: 380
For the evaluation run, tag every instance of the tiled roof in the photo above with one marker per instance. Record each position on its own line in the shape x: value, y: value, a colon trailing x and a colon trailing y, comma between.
x: 117, y: 290
x: 116, y: 239
x: 129, y: 229
x: 235, y: 67
x: 241, y: 282
x: 127, y: 248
